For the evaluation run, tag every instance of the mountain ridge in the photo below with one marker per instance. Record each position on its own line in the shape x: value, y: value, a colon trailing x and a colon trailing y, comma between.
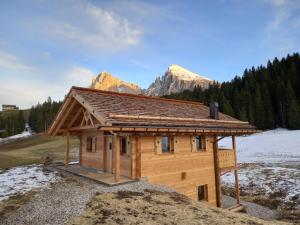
x: 174, y: 80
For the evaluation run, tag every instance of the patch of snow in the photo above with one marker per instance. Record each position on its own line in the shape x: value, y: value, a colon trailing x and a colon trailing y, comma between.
x: 269, y: 164
x: 279, y: 145
x: 23, y: 179
x: 24, y: 134
x: 268, y: 180
x: 185, y: 74
x: 21, y: 135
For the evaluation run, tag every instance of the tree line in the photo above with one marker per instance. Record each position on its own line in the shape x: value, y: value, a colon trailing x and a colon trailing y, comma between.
x: 266, y: 96
x: 39, y: 118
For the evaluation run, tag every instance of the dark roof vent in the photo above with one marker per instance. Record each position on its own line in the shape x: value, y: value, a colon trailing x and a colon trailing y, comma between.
x: 214, y: 110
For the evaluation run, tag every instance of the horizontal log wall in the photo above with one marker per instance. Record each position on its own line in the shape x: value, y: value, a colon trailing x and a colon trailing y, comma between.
x: 184, y: 170
x: 93, y: 159
x: 227, y: 158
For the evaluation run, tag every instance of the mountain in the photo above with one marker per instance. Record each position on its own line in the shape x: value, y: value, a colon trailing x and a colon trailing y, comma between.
x: 175, y: 79
x: 105, y: 81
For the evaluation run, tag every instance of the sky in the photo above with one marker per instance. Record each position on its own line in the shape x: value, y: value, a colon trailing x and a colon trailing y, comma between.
x: 48, y: 46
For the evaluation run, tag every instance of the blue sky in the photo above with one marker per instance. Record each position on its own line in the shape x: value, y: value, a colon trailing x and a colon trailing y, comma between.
x: 48, y: 46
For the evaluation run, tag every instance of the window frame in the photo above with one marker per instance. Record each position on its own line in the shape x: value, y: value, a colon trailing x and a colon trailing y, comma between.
x: 123, y: 144
x: 205, y: 193
x: 170, y: 145
x: 202, y: 144
x: 91, y: 144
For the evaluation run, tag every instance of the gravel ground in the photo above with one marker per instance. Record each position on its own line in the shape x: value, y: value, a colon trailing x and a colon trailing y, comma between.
x: 252, y: 208
x: 66, y: 199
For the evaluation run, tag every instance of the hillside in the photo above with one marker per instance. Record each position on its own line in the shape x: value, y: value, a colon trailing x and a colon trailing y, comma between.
x: 33, y: 149
x: 269, y: 170
x: 154, y: 207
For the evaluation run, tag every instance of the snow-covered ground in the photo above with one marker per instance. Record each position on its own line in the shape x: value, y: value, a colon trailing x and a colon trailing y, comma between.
x: 269, y: 165
x: 24, y: 134
x: 23, y: 179
x: 272, y: 146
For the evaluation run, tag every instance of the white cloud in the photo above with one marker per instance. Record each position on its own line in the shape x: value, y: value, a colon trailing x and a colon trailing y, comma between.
x: 279, y: 34
x: 11, y: 62
x: 79, y: 76
x: 86, y: 25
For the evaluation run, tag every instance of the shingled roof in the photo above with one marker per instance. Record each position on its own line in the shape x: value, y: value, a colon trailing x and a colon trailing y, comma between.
x: 113, y: 109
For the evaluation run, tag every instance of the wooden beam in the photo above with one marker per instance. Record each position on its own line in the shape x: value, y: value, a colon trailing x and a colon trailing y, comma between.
x: 164, y: 118
x: 237, y: 185
x: 64, y: 117
x: 105, y: 149
x: 217, y: 172
x: 138, y: 157
x: 74, y: 118
x: 86, y: 105
x: 133, y: 157
x: 116, y: 145
x: 67, y: 150
x: 80, y: 149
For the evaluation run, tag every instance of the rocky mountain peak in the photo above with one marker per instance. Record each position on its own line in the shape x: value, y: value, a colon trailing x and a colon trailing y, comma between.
x: 106, y: 81
x: 175, y: 79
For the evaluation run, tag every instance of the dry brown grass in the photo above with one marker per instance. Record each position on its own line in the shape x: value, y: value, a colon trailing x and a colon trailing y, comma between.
x: 154, y: 207
x: 15, y: 202
x: 32, y: 150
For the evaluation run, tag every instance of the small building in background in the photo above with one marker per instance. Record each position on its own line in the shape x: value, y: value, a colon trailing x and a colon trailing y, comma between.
x: 9, y: 107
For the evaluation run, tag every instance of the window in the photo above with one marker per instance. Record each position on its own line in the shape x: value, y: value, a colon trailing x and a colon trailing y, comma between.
x: 202, y: 193
x: 167, y: 144
x: 123, y: 145
x: 91, y: 143
x: 200, y: 143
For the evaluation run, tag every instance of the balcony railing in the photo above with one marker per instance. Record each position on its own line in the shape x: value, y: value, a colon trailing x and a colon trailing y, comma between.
x: 226, y: 158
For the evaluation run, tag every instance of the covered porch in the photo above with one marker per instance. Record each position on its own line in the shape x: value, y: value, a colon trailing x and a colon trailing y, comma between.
x: 95, y: 174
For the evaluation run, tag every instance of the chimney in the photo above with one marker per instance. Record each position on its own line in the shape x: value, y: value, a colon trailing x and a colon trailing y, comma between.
x: 214, y: 110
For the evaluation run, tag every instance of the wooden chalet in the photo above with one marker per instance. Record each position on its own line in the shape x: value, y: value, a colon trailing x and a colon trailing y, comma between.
x: 166, y: 141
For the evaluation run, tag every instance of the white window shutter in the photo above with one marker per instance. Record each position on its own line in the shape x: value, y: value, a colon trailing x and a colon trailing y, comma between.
x: 158, y: 145
x: 193, y: 144
x: 128, y: 146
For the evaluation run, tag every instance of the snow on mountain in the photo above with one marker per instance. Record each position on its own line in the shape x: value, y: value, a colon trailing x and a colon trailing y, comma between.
x: 175, y: 79
x: 185, y: 74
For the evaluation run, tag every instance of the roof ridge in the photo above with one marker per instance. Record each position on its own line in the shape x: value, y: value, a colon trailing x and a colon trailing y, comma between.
x: 137, y: 96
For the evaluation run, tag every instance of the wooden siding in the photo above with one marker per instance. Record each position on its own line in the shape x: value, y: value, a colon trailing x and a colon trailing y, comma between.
x: 227, y: 158
x: 92, y: 159
x: 184, y: 170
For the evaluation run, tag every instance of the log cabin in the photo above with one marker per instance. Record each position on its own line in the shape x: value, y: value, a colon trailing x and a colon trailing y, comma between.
x: 166, y: 141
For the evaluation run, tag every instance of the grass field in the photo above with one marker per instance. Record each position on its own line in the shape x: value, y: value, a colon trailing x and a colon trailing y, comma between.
x: 31, y: 150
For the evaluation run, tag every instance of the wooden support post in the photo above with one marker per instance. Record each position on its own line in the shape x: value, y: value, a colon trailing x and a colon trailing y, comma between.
x: 237, y: 185
x: 217, y: 172
x: 105, y: 149
x: 80, y: 149
x: 67, y: 150
x: 138, y: 157
x: 133, y: 157
x: 116, y: 145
